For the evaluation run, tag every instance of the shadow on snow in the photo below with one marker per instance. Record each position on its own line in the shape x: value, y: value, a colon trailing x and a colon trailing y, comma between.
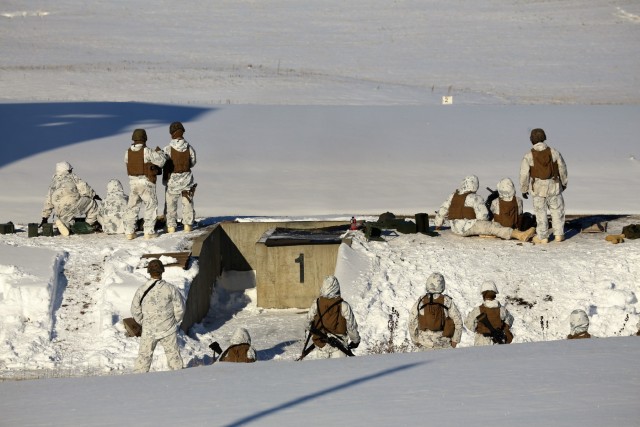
x: 32, y: 128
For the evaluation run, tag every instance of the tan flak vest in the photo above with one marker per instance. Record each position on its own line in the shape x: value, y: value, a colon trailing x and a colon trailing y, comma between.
x: 584, y: 334
x: 457, y: 209
x: 493, y: 314
x: 137, y: 167
x: 432, y: 316
x: 179, y: 162
x: 543, y: 165
x: 237, y: 354
x: 508, y: 216
x: 328, y: 319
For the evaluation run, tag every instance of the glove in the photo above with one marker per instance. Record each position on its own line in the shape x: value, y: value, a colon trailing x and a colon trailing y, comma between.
x: 44, y: 221
x: 96, y: 197
x: 525, y: 195
x: 353, y: 345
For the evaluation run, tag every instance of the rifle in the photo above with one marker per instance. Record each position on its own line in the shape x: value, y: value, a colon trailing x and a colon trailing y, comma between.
x: 497, y: 335
x: 306, y: 350
x: 492, y: 196
x: 332, y: 341
x: 216, y: 349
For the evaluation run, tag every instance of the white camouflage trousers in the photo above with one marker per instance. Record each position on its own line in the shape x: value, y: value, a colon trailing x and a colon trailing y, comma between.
x: 555, y: 204
x: 483, y: 227
x: 142, y: 191
x: 171, y: 199
x: 429, y: 340
x: 67, y: 210
x: 147, y: 347
x: 326, y: 352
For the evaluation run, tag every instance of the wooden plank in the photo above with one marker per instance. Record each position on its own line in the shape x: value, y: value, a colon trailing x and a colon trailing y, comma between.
x: 182, y: 258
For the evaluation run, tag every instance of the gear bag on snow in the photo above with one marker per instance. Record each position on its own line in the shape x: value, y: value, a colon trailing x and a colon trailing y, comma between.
x: 631, y: 231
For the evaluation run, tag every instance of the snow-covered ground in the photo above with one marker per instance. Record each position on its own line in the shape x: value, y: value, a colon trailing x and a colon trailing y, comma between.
x: 338, y: 113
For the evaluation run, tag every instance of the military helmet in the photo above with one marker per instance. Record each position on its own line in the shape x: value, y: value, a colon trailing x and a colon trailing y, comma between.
x: 155, y: 267
x: 139, y: 135
x: 537, y: 135
x: 175, y: 126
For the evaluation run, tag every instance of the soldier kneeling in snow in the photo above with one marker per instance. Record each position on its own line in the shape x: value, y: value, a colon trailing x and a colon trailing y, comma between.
x: 435, y: 321
x: 69, y: 196
x: 240, y: 350
x: 468, y: 215
x: 332, y: 323
x: 579, y: 322
x: 490, y: 321
x: 112, y: 208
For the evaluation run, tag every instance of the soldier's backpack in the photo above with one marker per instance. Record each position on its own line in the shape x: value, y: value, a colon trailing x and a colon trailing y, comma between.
x: 434, y: 317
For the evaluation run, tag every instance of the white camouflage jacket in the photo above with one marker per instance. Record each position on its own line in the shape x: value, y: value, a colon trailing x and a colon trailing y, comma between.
x: 65, y: 190
x: 475, y: 201
x: 331, y: 289
x: 542, y: 187
x: 150, y: 156
x: 112, y: 208
x: 161, y: 310
x: 506, y: 192
x: 184, y: 180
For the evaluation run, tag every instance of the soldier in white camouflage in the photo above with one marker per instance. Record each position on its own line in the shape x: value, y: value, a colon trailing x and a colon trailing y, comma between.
x: 435, y: 321
x: 468, y: 215
x: 178, y: 179
x: 143, y: 166
x: 579, y: 323
x: 494, y: 316
x: 112, y: 209
x: 70, y: 197
x: 158, y: 307
x: 543, y: 173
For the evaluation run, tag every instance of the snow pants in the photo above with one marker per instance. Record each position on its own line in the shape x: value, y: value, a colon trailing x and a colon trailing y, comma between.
x: 327, y: 352
x: 555, y: 204
x: 68, y: 209
x: 483, y: 227
x: 429, y: 340
x: 142, y: 191
x: 480, y: 340
x: 188, y: 213
x: 147, y: 347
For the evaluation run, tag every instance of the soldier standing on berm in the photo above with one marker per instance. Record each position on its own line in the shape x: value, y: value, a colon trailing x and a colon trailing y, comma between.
x: 143, y: 166
x: 178, y: 179
x: 544, y: 173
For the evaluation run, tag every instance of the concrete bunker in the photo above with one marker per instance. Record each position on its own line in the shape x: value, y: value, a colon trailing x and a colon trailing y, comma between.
x: 290, y: 260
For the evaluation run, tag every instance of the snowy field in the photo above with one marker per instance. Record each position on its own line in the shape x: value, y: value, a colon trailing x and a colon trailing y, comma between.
x: 325, y: 110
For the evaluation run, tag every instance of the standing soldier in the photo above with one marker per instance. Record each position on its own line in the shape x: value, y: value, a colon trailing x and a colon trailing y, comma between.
x: 332, y: 323
x: 178, y: 179
x: 112, y: 208
x: 240, y: 350
x: 158, y: 307
x: 507, y: 207
x: 143, y: 166
x: 435, y: 321
x: 69, y: 196
x: 579, y: 323
x: 490, y: 321
x: 468, y: 215
x: 543, y: 172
